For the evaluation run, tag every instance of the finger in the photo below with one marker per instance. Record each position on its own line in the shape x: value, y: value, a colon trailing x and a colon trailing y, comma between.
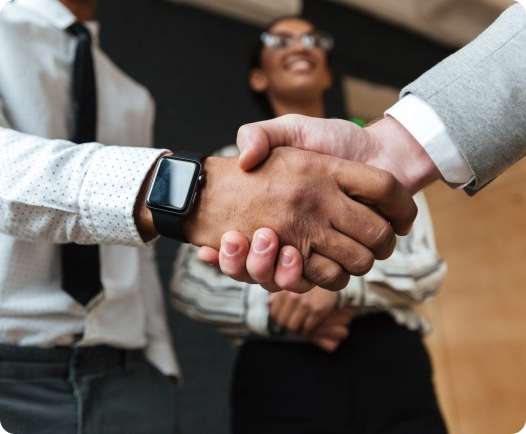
x: 342, y: 316
x: 326, y: 344
x: 289, y: 304
x: 257, y: 139
x: 289, y: 271
x: 298, y: 316
x: 311, y: 322
x: 380, y: 189
x: 263, y: 255
x: 325, y: 272
x: 351, y: 255
x: 233, y: 255
x: 363, y: 225
x: 335, y: 332
x: 276, y: 303
x: 208, y: 255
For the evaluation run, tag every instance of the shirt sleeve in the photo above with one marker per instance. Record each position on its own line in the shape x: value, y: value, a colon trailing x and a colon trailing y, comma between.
x: 61, y: 192
x: 201, y: 292
x: 424, y: 124
x: 412, y: 274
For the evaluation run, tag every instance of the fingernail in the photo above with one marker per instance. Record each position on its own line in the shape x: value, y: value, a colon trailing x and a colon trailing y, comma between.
x: 261, y: 243
x: 230, y: 248
x: 286, y: 259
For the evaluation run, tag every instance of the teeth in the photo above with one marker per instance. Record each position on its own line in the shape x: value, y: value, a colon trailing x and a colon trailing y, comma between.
x: 300, y: 65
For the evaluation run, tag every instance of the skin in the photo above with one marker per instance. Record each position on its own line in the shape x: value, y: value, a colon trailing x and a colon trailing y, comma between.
x: 316, y: 212
x: 323, y: 219
x: 84, y: 10
x: 293, y: 79
x: 381, y: 144
x: 333, y: 137
x: 385, y: 144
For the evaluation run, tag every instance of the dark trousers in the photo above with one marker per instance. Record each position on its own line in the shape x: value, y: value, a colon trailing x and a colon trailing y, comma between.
x: 98, y: 390
x: 378, y: 382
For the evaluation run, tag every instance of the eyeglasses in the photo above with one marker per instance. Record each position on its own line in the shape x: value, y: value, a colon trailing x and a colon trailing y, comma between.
x: 277, y: 41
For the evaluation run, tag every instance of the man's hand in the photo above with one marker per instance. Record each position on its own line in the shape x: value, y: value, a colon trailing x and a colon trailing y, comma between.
x: 385, y: 144
x: 308, y: 200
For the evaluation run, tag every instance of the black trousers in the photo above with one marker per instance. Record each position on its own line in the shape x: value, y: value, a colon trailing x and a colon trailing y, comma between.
x: 99, y: 390
x: 378, y: 382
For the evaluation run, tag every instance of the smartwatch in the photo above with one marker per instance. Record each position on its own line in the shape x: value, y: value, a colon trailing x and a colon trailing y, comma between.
x: 173, y: 193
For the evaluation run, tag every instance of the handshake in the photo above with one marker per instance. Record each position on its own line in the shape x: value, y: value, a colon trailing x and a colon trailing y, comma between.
x: 319, y: 199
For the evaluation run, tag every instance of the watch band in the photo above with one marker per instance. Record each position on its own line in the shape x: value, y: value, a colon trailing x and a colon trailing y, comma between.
x: 169, y: 224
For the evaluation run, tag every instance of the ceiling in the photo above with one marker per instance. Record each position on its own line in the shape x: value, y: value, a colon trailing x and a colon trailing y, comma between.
x: 453, y: 22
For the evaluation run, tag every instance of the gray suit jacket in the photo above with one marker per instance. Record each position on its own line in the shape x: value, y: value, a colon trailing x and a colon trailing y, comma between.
x: 480, y: 94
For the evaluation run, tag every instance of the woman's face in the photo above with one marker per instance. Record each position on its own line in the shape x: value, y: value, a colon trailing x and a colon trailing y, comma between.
x: 293, y: 70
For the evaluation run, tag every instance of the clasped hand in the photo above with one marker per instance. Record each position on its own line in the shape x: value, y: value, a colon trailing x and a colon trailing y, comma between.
x: 342, y: 214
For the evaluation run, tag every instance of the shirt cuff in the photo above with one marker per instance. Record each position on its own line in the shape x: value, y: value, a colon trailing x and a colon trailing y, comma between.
x: 422, y: 122
x: 523, y: 3
x: 257, y: 312
x: 109, y: 192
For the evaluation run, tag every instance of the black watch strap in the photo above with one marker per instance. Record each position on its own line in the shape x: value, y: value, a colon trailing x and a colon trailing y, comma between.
x: 171, y: 225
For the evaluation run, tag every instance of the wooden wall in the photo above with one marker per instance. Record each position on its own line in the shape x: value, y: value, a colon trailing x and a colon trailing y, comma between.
x: 479, y: 318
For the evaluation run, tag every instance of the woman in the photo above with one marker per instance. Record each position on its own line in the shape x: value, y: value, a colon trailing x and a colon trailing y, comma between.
x: 322, y: 362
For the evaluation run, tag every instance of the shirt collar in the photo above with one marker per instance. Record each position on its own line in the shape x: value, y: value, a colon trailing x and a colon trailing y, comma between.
x: 52, y: 10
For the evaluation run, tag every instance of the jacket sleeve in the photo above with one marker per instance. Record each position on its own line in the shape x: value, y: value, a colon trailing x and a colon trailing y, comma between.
x: 480, y: 94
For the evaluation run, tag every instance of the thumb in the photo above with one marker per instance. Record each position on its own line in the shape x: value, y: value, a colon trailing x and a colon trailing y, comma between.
x: 256, y: 140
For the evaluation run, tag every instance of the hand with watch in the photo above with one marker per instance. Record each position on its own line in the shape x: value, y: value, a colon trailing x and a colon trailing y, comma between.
x: 312, y: 202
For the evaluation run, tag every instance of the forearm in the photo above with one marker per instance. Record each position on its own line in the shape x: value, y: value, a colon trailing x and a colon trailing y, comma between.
x: 61, y: 192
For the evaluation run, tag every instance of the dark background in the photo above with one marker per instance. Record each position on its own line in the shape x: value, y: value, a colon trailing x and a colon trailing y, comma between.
x: 195, y: 65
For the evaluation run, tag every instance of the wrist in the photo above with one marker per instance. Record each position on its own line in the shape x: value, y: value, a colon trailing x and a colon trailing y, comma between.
x: 199, y: 223
x: 398, y: 152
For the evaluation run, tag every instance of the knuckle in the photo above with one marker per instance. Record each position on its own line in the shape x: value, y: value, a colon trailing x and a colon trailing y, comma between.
x: 293, y: 296
x: 382, y: 237
x: 412, y: 211
x: 326, y: 277
x: 316, y: 312
x: 304, y: 304
x: 362, y: 263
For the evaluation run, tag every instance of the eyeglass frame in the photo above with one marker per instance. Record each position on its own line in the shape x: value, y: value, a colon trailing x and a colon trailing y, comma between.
x: 327, y: 41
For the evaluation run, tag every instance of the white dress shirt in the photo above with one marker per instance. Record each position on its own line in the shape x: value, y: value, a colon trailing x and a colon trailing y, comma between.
x: 424, y: 124
x: 54, y: 191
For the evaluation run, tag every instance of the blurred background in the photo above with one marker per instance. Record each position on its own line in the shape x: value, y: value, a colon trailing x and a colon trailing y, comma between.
x: 193, y: 56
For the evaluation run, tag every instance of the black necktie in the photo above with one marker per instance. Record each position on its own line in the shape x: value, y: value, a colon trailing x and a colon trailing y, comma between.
x: 81, y: 264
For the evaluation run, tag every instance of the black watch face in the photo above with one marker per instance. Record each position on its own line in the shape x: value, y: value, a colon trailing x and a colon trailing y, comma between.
x: 173, y: 184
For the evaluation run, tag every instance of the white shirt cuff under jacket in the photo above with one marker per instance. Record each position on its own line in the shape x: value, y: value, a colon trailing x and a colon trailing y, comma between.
x: 110, y: 189
x: 419, y: 118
